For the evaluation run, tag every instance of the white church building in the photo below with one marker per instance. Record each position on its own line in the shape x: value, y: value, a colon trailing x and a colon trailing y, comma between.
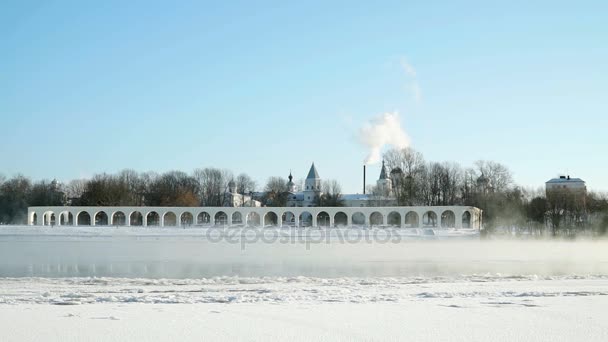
x: 312, y: 190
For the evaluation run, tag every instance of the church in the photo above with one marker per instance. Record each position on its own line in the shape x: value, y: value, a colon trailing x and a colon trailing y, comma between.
x: 312, y: 190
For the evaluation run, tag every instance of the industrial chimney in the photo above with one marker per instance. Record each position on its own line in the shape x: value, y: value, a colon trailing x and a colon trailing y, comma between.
x: 364, y: 179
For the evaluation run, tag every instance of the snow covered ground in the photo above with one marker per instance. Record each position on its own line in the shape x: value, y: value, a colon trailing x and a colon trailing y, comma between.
x: 125, y: 284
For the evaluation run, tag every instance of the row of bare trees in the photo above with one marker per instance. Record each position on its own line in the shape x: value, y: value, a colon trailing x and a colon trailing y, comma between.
x: 204, y: 187
x: 489, y: 185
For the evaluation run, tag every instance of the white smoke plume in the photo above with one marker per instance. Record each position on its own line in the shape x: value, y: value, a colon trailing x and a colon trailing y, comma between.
x: 381, y: 131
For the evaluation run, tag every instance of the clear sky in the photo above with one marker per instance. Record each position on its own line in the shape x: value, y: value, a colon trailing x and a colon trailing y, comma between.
x: 264, y: 87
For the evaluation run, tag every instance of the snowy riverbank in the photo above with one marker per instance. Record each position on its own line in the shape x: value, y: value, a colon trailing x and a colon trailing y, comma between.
x: 159, y: 284
x: 479, y: 308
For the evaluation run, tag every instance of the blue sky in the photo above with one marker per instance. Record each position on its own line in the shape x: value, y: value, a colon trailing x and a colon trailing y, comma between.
x: 265, y: 87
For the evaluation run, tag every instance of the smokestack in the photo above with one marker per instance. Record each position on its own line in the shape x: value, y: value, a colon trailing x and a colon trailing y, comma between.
x: 364, y: 179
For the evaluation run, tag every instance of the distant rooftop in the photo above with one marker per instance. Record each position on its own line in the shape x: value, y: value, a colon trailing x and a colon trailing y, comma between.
x: 565, y: 179
x: 313, y: 174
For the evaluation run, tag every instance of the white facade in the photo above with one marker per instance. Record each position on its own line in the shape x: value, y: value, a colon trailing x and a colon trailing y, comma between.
x: 566, y: 183
x: 312, y: 190
x: 404, y: 217
x: 233, y: 199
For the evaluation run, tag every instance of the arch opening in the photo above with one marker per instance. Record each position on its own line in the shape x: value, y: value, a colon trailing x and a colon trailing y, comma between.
x: 66, y: 218
x: 271, y: 219
x: 101, y: 219
x: 49, y: 219
x: 288, y: 218
x: 186, y: 219
x: 448, y: 219
x: 83, y: 218
x: 170, y: 219
x: 358, y: 219
x: 340, y: 219
x: 376, y: 219
x: 221, y: 218
x: 136, y: 219
x: 237, y: 218
x: 394, y: 219
x: 429, y: 219
x: 203, y: 218
x: 411, y: 220
x: 119, y: 219
x: 323, y: 219
x: 253, y: 219
x: 153, y: 219
x: 305, y: 219
x: 466, y: 219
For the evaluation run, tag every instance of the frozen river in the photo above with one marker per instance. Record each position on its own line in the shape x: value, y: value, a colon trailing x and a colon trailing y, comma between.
x: 196, y: 253
x: 271, y: 285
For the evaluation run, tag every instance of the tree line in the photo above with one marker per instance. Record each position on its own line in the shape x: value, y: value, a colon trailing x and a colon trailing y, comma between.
x: 487, y: 185
x: 203, y: 187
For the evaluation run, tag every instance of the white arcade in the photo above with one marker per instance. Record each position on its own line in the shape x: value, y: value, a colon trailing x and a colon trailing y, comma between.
x: 404, y: 217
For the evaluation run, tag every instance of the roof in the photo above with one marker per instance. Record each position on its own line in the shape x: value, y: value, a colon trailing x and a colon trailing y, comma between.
x: 383, y: 171
x: 565, y: 180
x: 355, y: 197
x: 313, y: 174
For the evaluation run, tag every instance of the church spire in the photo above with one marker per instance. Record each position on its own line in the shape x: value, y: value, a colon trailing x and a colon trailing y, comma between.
x: 313, y: 174
x: 383, y: 171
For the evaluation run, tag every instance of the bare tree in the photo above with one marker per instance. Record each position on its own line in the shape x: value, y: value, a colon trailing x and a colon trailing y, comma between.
x: 244, y: 184
x: 275, y: 192
x: 173, y: 188
x: 406, y: 166
x: 331, y: 194
x: 498, y: 175
x: 212, y: 185
x: 75, y: 188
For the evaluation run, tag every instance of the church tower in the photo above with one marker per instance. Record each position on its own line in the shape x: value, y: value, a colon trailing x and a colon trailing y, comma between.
x: 312, y: 186
x: 291, y: 186
x: 384, y: 184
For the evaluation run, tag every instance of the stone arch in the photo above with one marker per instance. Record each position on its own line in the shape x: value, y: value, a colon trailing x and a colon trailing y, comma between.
x: 271, y: 219
x: 358, y: 219
x: 186, y: 219
x: 153, y: 219
x: 49, y: 219
x: 253, y: 219
x: 448, y: 219
x: 83, y: 218
x: 412, y: 220
x: 170, y: 219
x: 466, y: 219
x: 66, y: 218
x: 305, y: 219
x: 393, y: 219
x: 376, y: 219
x: 220, y: 218
x: 288, y: 218
x: 203, y: 218
x: 340, y: 219
x: 101, y: 218
x: 323, y: 219
x: 136, y: 219
x: 34, y: 219
x: 237, y: 217
x: 119, y: 219
x: 429, y: 219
